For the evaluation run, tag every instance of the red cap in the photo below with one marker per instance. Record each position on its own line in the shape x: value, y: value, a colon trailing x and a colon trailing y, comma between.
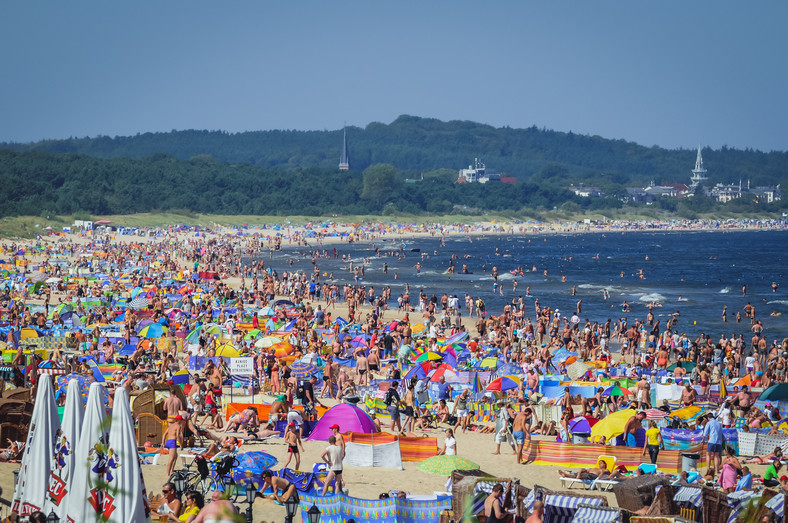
x: 334, y: 426
x: 178, y: 418
x: 783, y: 478
x: 292, y: 424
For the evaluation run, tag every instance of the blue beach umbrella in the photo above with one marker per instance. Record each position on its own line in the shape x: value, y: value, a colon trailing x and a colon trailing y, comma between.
x: 302, y: 369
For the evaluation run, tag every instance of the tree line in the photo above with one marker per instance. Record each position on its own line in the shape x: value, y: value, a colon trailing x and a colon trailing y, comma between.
x: 39, y: 183
x: 415, y: 145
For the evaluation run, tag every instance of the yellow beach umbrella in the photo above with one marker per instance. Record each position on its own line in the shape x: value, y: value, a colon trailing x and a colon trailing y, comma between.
x: 227, y: 351
x: 612, y: 425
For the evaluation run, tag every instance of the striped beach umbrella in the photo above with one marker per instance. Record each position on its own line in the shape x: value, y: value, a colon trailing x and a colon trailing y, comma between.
x: 504, y: 383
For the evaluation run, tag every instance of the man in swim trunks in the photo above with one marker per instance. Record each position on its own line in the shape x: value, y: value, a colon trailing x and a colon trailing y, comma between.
x: 633, y: 425
x: 293, y: 441
x: 173, y: 437
x: 688, y: 395
x: 519, y: 434
x: 532, y: 381
x: 278, y: 484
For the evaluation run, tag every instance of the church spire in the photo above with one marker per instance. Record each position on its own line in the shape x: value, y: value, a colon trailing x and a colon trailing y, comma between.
x: 344, y: 165
x: 699, y: 172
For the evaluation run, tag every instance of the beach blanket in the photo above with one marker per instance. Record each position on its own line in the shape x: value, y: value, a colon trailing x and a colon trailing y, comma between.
x: 570, y: 455
x: 340, y: 508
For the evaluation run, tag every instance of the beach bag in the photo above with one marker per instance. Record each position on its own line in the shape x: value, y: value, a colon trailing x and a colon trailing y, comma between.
x: 300, y: 394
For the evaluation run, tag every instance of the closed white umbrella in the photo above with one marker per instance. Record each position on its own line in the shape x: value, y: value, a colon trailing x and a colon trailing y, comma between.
x: 62, y: 464
x: 89, y: 459
x: 127, y: 500
x: 31, y: 488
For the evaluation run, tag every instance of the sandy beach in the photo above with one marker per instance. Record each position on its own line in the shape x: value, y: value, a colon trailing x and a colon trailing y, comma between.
x: 362, y: 482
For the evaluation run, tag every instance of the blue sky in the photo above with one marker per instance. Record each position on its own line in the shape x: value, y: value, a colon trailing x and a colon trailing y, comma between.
x: 669, y: 73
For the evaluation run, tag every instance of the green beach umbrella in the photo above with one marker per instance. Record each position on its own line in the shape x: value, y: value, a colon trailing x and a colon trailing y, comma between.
x: 444, y: 465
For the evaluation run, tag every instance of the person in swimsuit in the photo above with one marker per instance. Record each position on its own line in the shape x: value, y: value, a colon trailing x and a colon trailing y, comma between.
x: 333, y: 456
x: 173, y: 437
x: 493, y: 509
x: 293, y: 441
x: 278, y: 484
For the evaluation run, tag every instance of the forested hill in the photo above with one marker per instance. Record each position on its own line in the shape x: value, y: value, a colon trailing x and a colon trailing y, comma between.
x: 415, y: 144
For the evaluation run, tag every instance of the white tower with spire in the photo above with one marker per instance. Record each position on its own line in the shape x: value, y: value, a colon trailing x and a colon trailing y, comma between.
x: 344, y: 164
x: 698, y: 173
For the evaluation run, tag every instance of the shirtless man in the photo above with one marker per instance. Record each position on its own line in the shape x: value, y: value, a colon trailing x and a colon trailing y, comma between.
x: 218, y: 510
x: 362, y: 367
x: 520, y: 434
x: 633, y: 425
x: 688, y: 395
x: 173, y: 437
x: 642, y: 392
x: 278, y: 484
x: 173, y: 405
x: 277, y: 411
x: 537, y: 516
x: 340, y: 440
x: 745, y: 399
x: 532, y: 381
x: 293, y: 441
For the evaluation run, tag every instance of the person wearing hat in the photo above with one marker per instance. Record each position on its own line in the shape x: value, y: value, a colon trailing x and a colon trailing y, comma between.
x: 340, y: 439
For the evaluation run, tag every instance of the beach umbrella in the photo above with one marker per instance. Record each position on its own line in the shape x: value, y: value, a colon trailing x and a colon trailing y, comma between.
x: 444, y: 465
x: 266, y: 311
x: 577, y: 369
x: 30, y: 493
x: 251, y: 466
x: 687, y: 414
x: 302, y: 370
x: 617, y: 390
x: 181, y: 377
x: 227, y: 351
x: 139, y: 303
x: 445, y: 371
x: 63, y: 463
x: 61, y: 310
x: 490, y: 362
x: 655, y: 414
x: 688, y: 366
x: 420, y: 370
x: 612, y: 425
x: 267, y: 341
x: 82, y: 383
x: 252, y: 334
x: 777, y: 392
x: 582, y: 424
x: 126, y: 499
x: 428, y: 356
x: 503, y: 383
x: 154, y: 330
x: 89, y: 455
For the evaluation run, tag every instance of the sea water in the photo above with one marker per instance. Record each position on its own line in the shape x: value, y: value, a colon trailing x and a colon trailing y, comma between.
x: 693, y: 274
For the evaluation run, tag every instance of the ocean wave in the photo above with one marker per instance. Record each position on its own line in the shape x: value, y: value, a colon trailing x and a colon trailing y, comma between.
x: 725, y: 290
x: 654, y: 296
x: 780, y: 302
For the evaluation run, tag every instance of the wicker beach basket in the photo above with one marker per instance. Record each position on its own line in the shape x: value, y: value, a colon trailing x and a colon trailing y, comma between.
x: 633, y: 493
